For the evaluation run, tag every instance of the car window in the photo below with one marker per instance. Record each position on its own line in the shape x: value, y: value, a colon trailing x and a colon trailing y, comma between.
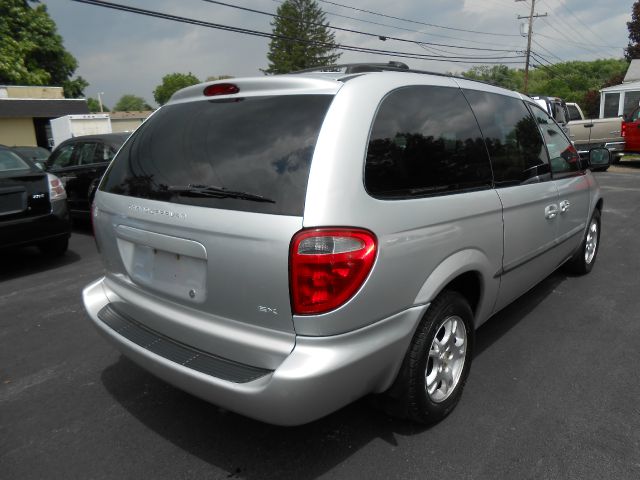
x: 425, y: 141
x: 631, y: 101
x: 574, y: 113
x: 513, y: 140
x: 564, y: 156
x: 103, y: 153
x: 257, y: 145
x: 560, y: 114
x: 611, y: 104
x: 10, y: 161
x: 85, y: 153
x: 63, y: 157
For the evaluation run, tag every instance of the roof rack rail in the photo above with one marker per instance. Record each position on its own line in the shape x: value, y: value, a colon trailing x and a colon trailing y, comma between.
x: 350, y: 68
x: 392, y: 66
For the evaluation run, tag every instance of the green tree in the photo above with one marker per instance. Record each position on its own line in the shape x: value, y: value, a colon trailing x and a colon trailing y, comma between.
x: 130, y: 103
x: 497, y: 75
x: 302, y: 38
x: 94, y: 105
x: 32, y: 52
x: 171, y: 83
x: 573, y: 81
x: 633, y: 49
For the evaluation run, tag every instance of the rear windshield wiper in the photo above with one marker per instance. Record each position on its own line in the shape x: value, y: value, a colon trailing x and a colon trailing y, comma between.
x: 215, y: 192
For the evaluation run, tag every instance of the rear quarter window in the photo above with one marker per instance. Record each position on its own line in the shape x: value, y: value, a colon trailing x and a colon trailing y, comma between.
x: 258, y: 145
x: 425, y: 141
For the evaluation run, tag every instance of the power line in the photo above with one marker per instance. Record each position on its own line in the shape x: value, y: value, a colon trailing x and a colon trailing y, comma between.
x: 349, y: 30
x: 592, y: 48
x: 362, y: 10
x: 422, y: 32
x: 563, y: 5
x: 547, y: 50
x: 584, y: 45
x: 246, y: 31
x: 581, y: 45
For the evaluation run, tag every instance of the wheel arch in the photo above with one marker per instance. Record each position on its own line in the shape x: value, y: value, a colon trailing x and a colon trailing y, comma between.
x: 469, y: 273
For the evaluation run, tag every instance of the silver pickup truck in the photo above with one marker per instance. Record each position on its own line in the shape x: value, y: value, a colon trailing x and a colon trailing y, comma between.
x: 600, y: 132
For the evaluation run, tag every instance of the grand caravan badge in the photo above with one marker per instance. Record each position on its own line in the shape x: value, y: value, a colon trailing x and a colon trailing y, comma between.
x: 157, y: 211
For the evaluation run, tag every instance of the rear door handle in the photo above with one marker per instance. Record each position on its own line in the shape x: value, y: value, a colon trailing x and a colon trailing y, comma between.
x: 551, y: 211
x: 564, y: 205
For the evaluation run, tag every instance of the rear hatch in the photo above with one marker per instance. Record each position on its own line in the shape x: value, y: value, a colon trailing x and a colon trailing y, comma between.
x: 197, y: 211
x: 24, y: 189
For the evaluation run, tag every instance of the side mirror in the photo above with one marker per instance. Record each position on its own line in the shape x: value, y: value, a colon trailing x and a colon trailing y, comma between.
x: 599, y: 158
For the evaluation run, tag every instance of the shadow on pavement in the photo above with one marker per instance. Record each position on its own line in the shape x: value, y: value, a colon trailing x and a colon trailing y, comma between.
x: 243, y: 447
x: 28, y: 260
x: 629, y: 162
x: 498, y: 325
x: 20, y: 261
x: 223, y: 439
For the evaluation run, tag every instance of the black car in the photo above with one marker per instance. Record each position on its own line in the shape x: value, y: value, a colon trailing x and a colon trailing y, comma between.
x: 33, y: 206
x: 80, y: 163
x: 37, y: 155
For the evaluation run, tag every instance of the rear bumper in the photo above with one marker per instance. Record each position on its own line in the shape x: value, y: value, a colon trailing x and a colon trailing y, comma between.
x: 319, y: 376
x: 615, y: 146
x: 32, y: 230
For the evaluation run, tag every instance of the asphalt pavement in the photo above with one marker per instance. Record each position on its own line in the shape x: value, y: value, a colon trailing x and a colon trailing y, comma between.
x: 554, y: 391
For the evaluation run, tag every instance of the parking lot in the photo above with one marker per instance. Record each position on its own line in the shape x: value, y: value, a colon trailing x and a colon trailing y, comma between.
x: 553, y: 392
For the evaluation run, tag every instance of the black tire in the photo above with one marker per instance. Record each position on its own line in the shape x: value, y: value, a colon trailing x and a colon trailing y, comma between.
x: 411, y: 397
x: 583, y: 260
x: 55, y: 247
x: 615, y: 159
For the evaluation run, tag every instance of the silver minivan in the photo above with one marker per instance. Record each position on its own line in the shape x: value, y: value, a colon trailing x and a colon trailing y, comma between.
x: 282, y: 246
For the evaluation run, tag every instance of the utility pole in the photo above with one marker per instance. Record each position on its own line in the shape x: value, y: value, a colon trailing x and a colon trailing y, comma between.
x: 531, y: 16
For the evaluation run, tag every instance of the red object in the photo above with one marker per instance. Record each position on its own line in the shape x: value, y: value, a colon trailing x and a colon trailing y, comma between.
x: 327, y: 266
x: 220, y: 89
x: 630, y: 130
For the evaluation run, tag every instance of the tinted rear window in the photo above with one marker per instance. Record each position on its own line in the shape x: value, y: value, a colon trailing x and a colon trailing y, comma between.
x: 259, y: 145
x: 425, y: 141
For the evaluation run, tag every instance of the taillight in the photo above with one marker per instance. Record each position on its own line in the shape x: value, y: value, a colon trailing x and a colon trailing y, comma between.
x: 220, y: 89
x: 56, y: 188
x: 623, y: 129
x: 328, y: 266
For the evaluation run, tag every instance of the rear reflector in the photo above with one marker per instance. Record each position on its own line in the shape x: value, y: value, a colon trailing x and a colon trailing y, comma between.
x: 623, y: 129
x: 94, y: 216
x: 328, y: 266
x: 220, y: 89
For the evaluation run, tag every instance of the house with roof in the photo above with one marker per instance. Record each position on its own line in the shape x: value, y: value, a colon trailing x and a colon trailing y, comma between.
x: 25, y: 112
x: 622, y: 99
x: 128, y: 121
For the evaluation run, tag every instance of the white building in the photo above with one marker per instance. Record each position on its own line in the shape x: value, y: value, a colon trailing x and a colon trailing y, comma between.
x: 622, y: 99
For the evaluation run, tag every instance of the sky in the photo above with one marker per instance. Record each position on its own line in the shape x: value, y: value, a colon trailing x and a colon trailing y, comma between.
x: 125, y: 53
